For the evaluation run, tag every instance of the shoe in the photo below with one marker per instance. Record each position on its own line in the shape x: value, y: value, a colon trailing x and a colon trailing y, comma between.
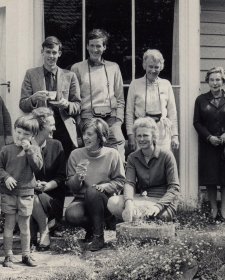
x: 29, y: 261
x: 8, y: 262
x: 96, y: 244
x: 88, y: 237
x: 42, y: 248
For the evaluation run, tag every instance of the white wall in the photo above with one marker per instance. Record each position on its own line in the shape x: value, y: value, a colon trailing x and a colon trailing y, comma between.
x: 189, y: 52
x: 21, y: 53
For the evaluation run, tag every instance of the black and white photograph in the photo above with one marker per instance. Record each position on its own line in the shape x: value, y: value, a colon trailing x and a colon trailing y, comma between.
x: 112, y: 139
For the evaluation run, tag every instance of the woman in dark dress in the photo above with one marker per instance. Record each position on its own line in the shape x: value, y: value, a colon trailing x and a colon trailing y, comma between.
x: 209, y: 122
x: 50, y: 192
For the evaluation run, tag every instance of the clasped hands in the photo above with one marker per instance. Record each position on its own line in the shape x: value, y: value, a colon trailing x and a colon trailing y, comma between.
x: 42, y: 186
x: 131, y: 212
x: 217, y: 140
x: 44, y: 96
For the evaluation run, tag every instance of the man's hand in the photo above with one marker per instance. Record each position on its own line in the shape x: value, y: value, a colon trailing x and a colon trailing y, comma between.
x: 175, y: 142
x: 39, y: 96
x: 131, y: 142
x: 62, y: 103
x: 153, y: 211
x: 10, y: 183
x: 127, y: 213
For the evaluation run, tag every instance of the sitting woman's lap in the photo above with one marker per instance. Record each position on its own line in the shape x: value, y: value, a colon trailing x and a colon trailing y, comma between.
x: 77, y: 212
x: 52, y: 207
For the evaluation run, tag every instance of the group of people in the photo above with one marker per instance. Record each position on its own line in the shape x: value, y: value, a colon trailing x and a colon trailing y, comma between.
x: 71, y: 136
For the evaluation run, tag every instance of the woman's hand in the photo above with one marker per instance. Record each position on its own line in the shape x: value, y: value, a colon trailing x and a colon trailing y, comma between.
x: 153, y: 211
x: 175, y: 142
x: 41, y: 186
x: 127, y: 213
x: 10, y: 183
x: 215, y: 141
x: 81, y: 169
x: 222, y: 137
x: 131, y: 142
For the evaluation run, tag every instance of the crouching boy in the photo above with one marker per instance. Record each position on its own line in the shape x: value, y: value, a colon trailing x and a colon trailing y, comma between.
x: 18, y: 162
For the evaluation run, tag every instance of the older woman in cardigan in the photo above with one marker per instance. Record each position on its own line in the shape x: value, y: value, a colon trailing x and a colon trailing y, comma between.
x: 153, y: 96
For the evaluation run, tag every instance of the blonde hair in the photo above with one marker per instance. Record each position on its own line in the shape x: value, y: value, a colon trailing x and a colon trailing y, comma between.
x: 148, y: 123
x: 155, y: 55
x: 218, y: 69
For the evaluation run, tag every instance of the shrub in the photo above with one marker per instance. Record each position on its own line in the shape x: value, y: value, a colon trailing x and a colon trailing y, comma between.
x: 168, y: 262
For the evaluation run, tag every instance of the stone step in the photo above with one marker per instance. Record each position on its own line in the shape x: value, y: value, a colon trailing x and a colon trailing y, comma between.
x: 145, y: 231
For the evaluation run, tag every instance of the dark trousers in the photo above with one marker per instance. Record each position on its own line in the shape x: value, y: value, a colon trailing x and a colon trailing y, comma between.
x: 96, y: 208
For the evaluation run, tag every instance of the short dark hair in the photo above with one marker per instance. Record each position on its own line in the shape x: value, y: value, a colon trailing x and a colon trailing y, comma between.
x: 218, y: 69
x: 28, y: 123
x: 52, y: 41
x: 41, y: 114
x: 101, y: 128
x: 98, y: 34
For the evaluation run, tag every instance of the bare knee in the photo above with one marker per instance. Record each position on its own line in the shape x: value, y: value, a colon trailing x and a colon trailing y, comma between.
x: 115, y: 205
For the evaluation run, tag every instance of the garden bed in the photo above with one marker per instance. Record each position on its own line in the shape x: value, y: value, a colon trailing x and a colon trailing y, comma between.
x: 196, y: 253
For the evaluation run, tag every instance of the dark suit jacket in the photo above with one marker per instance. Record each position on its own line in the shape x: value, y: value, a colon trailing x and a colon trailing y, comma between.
x: 67, y: 87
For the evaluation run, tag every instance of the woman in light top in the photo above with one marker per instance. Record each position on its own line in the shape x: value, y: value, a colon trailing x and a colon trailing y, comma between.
x: 95, y: 173
x: 153, y: 96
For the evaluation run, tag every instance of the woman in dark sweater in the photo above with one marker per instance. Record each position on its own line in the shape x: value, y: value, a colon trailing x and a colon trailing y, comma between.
x: 50, y: 192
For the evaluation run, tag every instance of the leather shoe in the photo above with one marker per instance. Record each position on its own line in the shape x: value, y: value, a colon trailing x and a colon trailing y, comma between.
x: 27, y: 260
x: 96, y: 244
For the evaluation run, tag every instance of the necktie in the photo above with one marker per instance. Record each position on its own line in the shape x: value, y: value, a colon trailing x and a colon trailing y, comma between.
x: 52, y: 78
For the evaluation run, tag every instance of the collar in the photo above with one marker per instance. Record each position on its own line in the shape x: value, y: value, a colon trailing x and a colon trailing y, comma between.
x: 46, y: 72
x: 139, y: 154
x: 98, y: 63
x: 43, y: 145
x: 151, y: 83
x: 210, y: 96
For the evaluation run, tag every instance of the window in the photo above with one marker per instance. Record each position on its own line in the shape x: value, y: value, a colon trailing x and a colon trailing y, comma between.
x: 134, y: 26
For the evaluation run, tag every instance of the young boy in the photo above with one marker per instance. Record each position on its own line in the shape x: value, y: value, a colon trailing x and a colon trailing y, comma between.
x: 18, y: 162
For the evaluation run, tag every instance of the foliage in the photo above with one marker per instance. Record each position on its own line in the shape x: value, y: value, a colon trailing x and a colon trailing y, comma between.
x: 166, y: 262
x: 78, y: 273
x: 70, y: 241
x: 134, y: 260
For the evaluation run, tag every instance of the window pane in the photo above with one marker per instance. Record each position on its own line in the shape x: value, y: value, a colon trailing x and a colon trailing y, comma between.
x: 115, y: 17
x: 63, y: 19
x: 154, y: 30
